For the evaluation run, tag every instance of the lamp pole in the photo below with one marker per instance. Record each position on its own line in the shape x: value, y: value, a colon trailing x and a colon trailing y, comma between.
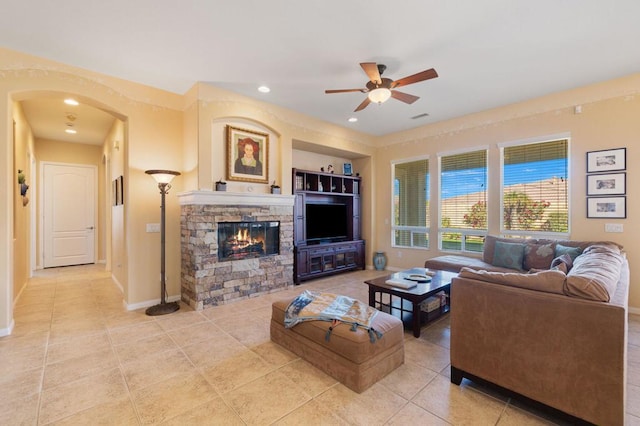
x: 163, y: 177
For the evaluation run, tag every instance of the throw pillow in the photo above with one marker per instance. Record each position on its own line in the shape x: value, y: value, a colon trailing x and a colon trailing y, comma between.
x: 508, y: 255
x: 538, y: 256
x: 571, y: 251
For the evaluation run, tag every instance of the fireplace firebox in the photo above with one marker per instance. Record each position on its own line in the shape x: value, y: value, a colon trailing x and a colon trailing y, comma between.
x: 245, y: 240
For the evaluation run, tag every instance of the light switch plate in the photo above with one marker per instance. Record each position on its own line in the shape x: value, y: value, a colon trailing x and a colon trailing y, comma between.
x: 613, y: 227
x: 153, y: 227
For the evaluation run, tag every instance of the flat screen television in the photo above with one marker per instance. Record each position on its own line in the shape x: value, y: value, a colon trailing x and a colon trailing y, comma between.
x: 326, y: 222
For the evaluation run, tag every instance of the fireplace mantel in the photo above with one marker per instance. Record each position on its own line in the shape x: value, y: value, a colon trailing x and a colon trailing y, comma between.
x: 234, y: 198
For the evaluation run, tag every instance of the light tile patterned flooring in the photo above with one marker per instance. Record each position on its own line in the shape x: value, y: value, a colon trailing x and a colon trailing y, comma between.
x: 77, y: 357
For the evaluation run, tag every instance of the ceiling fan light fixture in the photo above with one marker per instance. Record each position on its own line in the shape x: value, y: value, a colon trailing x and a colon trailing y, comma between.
x: 379, y: 95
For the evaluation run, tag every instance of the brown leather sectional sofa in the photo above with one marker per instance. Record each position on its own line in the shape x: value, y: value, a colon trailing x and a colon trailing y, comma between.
x: 554, y: 337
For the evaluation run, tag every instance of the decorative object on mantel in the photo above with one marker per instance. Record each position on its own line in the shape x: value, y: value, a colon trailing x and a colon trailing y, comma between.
x: 164, y: 178
x: 330, y: 168
x: 221, y: 185
x: 347, y: 169
x: 275, y: 189
x: 22, y: 181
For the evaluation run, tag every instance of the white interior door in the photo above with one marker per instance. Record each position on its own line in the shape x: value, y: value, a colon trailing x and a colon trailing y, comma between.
x: 69, y: 205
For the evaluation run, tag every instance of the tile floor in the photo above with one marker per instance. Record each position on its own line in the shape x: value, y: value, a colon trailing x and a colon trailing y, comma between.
x: 77, y: 357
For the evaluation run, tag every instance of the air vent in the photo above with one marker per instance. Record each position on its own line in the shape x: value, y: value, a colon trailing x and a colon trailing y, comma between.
x: 419, y: 116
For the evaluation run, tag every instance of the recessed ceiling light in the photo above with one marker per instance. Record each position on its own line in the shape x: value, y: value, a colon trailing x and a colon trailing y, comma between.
x: 264, y: 89
x: 72, y: 131
x: 352, y: 119
x: 70, y: 101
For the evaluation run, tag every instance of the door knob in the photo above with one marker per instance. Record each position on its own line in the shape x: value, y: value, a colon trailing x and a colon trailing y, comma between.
x: 89, y: 227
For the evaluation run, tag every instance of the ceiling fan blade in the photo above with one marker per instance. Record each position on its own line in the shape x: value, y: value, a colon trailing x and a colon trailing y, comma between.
x: 404, y: 97
x: 371, y: 68
x: 415, y: 78
x: 363, y: 105
x: 346, y: 90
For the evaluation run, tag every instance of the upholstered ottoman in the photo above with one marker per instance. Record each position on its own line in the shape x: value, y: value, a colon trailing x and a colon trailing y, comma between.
x: 348, y: 356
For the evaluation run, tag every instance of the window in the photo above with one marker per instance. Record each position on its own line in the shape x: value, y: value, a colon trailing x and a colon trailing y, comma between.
x: 411, y: 204
x: 534, y: 188
x: 463, y: 201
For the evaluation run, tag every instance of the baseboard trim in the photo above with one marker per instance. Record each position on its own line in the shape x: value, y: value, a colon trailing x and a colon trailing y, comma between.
x: 7, y: 331
x: 148, y: 303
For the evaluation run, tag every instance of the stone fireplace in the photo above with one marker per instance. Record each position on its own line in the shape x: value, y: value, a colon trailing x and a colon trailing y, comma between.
x: 234, y: 246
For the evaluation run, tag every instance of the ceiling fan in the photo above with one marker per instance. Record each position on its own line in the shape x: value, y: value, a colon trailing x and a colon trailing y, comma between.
x: 380, y: 89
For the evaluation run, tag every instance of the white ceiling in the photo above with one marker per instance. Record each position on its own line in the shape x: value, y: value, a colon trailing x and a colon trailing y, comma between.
x: 488, y: 53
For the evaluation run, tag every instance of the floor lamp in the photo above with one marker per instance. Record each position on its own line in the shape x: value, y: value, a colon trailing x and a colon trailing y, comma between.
x: 163, y: 177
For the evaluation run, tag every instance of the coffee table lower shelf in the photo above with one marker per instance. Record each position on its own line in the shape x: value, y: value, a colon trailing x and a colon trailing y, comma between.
x: 403, y: 309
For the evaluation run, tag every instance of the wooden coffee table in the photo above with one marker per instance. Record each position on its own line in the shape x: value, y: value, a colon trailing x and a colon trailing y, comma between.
x: 406, y: 304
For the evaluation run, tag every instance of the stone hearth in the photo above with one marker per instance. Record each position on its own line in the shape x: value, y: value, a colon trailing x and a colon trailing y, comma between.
x: 206, y: 281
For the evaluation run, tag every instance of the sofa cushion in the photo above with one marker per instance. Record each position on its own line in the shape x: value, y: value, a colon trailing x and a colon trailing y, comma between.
x: 538, y: 256
x: 595, y: 273
x: 549, y: 281
x: 508, y: 255
x: 571, y: 251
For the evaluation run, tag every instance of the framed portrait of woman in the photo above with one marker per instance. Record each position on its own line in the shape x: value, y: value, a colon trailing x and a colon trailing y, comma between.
x: 247, y: 155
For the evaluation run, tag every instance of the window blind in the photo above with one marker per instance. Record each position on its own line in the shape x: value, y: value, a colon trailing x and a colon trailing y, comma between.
x: 411, y: 203
x: 535, y: 182
x: 463, y: 190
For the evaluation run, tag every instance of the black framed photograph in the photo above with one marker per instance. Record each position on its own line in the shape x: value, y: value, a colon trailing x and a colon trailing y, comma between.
x: 347, y: 169
x: 606, y: 207
x: 607, y: 184
x: 607, y: 160
x: 247, y: 155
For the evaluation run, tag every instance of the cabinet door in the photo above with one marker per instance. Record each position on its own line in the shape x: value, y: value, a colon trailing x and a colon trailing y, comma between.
x: 351, y: 258
x: 315, y: 264
x: 302, y: 262
x: 328, y: 262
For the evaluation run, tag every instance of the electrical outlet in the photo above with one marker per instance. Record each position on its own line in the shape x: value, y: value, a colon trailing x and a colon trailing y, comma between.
x: 153, y: 227
x: 613, y: 227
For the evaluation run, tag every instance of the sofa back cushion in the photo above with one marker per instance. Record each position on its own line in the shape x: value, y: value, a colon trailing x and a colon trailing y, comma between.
x: 538, y: 256
x: 549, y: 281
x: 488, y: 251
x: 595, y: 273
x: 573, y: 252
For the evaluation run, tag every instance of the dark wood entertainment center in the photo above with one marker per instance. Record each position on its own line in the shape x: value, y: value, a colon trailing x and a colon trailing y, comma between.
x: 326, y: 254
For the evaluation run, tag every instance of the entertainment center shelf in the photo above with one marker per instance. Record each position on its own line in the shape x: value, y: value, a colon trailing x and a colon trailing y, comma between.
x: 325, y: 182
x: 326, y: 224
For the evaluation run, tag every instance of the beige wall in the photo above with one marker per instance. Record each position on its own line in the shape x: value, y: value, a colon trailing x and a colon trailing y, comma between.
x: 23, y: 155
x: 609, y: 119
x: 311, y: 161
